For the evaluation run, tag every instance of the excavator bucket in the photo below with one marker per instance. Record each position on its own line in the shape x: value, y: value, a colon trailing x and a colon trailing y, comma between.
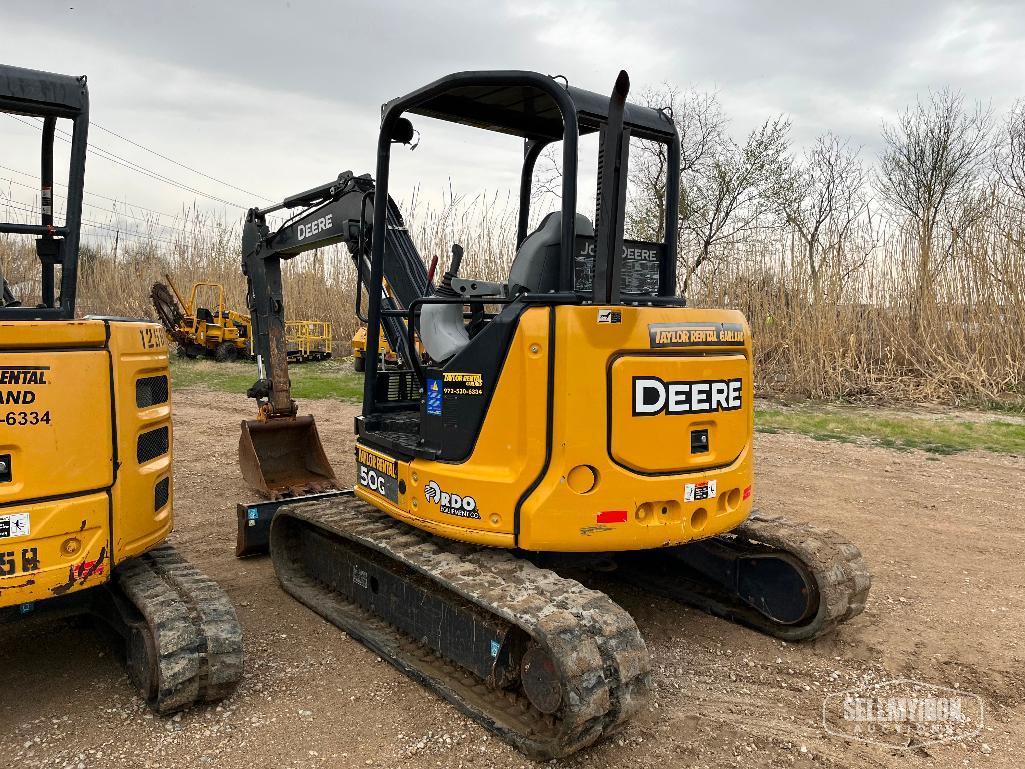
x: 284, y: 457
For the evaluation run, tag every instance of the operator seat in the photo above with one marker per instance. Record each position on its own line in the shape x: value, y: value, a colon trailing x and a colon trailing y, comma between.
x: 535, y: 270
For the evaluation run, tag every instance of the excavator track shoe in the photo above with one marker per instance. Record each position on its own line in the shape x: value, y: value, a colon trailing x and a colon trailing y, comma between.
x: 545, y: 663
x: 189, y: 650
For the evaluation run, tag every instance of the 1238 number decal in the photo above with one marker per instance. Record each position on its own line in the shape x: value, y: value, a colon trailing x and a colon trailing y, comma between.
x: 152, y: 338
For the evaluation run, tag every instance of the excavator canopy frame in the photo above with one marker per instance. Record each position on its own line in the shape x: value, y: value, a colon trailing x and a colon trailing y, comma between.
x: 49, y: 96
x: 541, y: 109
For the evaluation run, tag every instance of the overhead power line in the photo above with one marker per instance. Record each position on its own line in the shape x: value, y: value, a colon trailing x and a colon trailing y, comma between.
x: 132, y: 166
x: 180, y: 164
x: 21, y: 206
x: 91, y: 205
x: 92, y: 194
x: 116, y: 212
x: 89, y: 223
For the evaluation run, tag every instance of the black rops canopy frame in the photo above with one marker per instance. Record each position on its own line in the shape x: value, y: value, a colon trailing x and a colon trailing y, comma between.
x: 541, y: 109
x: 49, y: 96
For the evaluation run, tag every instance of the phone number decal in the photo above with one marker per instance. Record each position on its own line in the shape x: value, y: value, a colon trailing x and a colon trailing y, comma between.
x: 26, y: 418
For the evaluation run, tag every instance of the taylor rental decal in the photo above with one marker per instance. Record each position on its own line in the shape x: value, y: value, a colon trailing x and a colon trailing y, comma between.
x: 378, y: 474
x: 653, y: 396
x: 463, y: 383
x: 696, y: 334
x: 14, y: 381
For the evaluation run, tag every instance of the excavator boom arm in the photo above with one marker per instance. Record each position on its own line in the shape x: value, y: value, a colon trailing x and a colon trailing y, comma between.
x: 334, y: 216
x: 338, y: 212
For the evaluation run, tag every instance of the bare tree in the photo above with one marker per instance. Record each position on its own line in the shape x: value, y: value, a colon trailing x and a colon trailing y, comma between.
x: 725, y: 195
x: 930, y: 171
x: 821, y: 196
x: 1010, y: 153
x: 701, y: 126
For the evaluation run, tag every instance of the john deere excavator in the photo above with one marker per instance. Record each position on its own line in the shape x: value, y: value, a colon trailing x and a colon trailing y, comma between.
x: 593, y: 421
x: 86, y: 501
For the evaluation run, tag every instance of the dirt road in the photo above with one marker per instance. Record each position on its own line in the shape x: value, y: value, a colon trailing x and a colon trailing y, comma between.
x: 945, y: 538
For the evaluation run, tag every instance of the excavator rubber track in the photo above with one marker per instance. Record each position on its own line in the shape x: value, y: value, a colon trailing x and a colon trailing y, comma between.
x: 835, y: 578
x: 188, y: 649
x: 405, y: 593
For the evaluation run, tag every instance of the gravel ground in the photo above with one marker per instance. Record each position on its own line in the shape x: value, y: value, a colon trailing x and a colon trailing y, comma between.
x: 943, y: 536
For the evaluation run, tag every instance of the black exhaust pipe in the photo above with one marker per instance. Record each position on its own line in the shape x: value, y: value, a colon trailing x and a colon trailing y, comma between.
x: 613, y: 161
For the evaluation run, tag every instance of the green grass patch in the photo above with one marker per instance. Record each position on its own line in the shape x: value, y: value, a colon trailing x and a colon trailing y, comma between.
x: 332, y: 379
x: 939, y: 435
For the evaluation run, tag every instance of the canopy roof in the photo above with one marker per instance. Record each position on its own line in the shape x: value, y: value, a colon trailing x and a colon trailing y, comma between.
x: 525, y: 104
x: 42, y: 92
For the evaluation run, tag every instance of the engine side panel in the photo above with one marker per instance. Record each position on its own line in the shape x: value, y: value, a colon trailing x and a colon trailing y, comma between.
x: 142, y: 497
x: 85, y: 452
x: 621, y: 478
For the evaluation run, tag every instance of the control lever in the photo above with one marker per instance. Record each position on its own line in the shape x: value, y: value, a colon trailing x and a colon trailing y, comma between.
x: 431, y: 270
x: 445, y: 289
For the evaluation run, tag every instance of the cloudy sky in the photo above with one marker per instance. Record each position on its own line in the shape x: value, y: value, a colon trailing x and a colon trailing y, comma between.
x: 276, y: 96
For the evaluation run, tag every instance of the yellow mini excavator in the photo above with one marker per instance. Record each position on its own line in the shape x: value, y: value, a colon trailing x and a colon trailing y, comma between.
x: 578, y: 416
x: 85, y: 452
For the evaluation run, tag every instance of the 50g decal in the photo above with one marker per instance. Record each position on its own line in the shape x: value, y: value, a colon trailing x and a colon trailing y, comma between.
x: 653, y: 396
x: 377, y: 473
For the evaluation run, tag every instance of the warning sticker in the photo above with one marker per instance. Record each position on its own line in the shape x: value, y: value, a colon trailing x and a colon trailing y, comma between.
x: 434, y: 397
x: 695, y: 492
x: 16, y: 525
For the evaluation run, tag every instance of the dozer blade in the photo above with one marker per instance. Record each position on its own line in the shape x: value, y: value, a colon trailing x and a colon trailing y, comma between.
x: 284, y: 458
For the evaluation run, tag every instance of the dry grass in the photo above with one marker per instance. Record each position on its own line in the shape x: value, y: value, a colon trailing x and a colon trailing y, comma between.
x: 864, y: 338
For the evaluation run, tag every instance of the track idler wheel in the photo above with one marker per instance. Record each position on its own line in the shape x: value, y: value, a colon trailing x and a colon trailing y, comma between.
x: 779, y: 587
x: 540, y: 680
